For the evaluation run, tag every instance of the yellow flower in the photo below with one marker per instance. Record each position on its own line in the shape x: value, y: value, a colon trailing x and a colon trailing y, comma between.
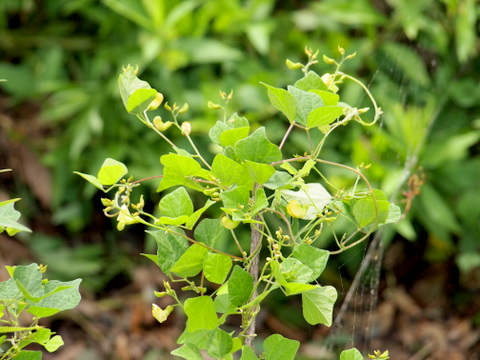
x: 159, y: 314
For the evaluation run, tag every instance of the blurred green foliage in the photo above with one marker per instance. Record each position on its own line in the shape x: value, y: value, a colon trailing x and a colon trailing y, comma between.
x: 420, y: 58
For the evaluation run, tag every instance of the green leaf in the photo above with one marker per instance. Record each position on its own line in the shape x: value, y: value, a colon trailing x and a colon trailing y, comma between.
x: 394, y: 214
x: 92, y: 180
x: 220, y: 343
x: 261, y: 202
x: 248, y: 353
x: 306, y: 102
x: 230, y: 137
x: 311, y: 81
x: 283, y: 101
x: 318, y: 305
x: 59, y: 296
x: 189, y: 352
x: 323, y: 116
x: 170, y: 247
x: 226, y: 170
x: 111, y: 171
x: 260, y: 173
x: 293, y: 288
x: 351, y: 354
x: 9, y: 217
x: 209, y: 232
x: 199, y: 338
x: 279, y: 179
x: 129, y: 84
x: 9, y: 290
x: 294, y: 270
x: 315, y: 258
x: 140, y: 100
x: 191, y: 262
x: 29, y: 281
x: 329, y: 98
x: 240, y: 286
x: 200, y: 313
x: 368, y: 212
x: 216, y: 267
x: 54, y: 343
x: 239, y: 125
x: 279, y: 348
x: 257, y: 148
x: 179, y: 170
x: 192, y: 220
x: 222, y: 302
x: 176, y: 204
x: 236, y: 199
x: 29, y: 355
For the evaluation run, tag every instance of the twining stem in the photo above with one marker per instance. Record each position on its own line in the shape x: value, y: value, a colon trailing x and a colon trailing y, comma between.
x: 255, y: 246
x: 256, y: 239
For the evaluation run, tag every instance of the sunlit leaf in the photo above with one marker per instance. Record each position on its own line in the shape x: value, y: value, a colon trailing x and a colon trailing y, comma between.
x: 323, y: 116
x: 279, y: 348
x: 248, y: 353
x: 260, y: 173
x: 179, y: 170
x: 226, y: 170
x: 188, y: 351
x: 216, y: 267
x: 257, y: 148
x: 305, y: 102
x: 170, y: 247
x: 139, y: 100
x: 329, y: 98
x: 313, y: 257
x: 111, y: 171
x: 283, y: 101
x: 311, y: 81
x: 351, y: 354
x: 209, y: 231
x: 200, y: 313
x: 235, y: 122
x: 176, y: 204
x: 318, y: 305
x: 191, y: 261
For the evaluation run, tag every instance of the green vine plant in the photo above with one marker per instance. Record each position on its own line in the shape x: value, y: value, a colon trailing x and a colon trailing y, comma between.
x: 284, y: 202
x: 26, y: 292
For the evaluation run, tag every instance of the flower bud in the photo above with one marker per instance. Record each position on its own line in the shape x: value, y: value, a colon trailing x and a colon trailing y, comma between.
x: 106, y: 202
x: 160, y: 125
x: 293, y: 66
x: 213, y: 106
x: 351, y: 56
x: 229, y: 224
x: 183, y: 109
x: 167, y: 107
x: 328, y: 60
x: 186, y: 128
x: 156, y: 102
